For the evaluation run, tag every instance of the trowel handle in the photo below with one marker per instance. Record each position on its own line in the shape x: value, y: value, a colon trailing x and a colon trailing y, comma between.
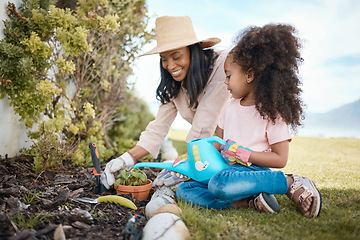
x: 215, y: 139
x: 95, y: 159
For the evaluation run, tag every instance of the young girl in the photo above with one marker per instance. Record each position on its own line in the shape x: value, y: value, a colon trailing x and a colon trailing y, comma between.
x: 261, y: 75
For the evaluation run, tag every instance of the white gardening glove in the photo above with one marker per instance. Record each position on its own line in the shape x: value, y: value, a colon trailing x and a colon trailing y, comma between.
x: 125, y: 161
x: 169, y: 178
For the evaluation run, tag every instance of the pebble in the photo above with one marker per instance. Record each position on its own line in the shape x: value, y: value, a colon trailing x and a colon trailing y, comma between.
x: 78, y: 214
x: 80, y: 225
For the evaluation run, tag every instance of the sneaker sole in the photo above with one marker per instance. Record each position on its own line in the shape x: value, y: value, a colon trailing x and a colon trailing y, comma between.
x: 318, y: 199
x: 269, y: 202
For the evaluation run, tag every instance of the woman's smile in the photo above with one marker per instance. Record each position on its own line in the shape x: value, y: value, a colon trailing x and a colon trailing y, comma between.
x: 176, y: 73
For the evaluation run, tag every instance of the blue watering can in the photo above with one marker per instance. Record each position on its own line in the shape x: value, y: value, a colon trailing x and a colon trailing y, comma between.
x: 203, y: 160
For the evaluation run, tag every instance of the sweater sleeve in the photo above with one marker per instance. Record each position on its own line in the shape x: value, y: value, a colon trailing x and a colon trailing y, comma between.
x: 155, y: 132
x: 211, y: 104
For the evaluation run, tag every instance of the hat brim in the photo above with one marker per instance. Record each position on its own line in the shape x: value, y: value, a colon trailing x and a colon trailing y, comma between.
x: 209, y: 42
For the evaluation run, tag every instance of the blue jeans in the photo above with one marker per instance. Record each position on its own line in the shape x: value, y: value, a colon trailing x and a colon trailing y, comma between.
x: 232, y: 184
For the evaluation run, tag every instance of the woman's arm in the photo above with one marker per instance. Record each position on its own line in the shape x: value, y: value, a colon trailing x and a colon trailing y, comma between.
x: 277, y: 158
x: 138, y: 152
x: 156, y: 131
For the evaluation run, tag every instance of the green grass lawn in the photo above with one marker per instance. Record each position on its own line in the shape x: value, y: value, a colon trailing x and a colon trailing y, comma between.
x: 334, y: 166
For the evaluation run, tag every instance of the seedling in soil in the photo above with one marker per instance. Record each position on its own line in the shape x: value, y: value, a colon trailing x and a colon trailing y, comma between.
x: 30, y: 198
x: 134, y: 177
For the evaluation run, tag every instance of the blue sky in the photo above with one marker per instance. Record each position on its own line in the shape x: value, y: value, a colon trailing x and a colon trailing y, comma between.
x: 330, y: 30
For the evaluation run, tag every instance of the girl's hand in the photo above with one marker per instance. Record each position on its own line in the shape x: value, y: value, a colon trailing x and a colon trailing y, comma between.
x: 235, y: 153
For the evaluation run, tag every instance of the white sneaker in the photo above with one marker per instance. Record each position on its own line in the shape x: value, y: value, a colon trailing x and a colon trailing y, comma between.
x: 161, y: 197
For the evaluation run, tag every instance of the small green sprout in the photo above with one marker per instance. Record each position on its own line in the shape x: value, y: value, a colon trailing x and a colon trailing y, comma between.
x: 134, y: 177
x: 30, y: 197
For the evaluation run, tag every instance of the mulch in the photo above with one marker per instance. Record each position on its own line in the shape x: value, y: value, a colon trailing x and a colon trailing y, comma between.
x: 33, y: 206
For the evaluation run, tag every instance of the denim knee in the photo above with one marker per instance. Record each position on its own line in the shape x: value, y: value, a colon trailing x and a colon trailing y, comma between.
x: 181, y: 190
x: 238, y: 182
x: 217, y: 186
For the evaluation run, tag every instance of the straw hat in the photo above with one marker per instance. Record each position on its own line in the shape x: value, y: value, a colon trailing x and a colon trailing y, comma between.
x: 177, y: 32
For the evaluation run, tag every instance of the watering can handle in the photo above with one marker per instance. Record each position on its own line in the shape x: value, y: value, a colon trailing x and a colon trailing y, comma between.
x: 215, y: 139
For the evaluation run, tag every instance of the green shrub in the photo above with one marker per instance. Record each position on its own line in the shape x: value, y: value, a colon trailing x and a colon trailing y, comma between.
x: 66, y: 73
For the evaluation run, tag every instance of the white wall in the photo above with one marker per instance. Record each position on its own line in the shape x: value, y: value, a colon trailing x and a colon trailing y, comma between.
x: 12, y: 132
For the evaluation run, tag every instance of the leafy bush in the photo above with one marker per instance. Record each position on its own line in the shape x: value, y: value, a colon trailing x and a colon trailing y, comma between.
x: 68, y: 71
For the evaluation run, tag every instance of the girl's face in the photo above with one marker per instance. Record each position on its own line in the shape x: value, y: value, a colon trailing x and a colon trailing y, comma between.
x: 176, y: 62
x: 238, y: 82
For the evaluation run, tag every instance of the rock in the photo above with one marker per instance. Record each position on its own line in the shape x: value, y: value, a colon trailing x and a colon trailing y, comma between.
x: 169, y: 208
x: 80, y: 225
x: 15, y: 204
x: 59, y: 233
x: 165, y: 226
x: 67, y: 227
x: 78, y: 214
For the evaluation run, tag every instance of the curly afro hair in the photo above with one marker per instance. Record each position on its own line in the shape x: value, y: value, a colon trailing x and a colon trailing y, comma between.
x: 272, y: 52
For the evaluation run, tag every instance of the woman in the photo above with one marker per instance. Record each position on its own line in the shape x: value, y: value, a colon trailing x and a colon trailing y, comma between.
x: 192, y: 83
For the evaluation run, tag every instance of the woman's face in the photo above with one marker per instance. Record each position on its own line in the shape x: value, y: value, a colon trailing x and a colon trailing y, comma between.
x: 176, y: 62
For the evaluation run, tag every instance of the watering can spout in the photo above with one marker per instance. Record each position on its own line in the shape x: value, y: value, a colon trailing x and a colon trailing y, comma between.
x: 182, y: 168
x: 204, y: 160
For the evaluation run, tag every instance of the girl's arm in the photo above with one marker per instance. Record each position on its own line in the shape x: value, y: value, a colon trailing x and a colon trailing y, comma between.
x: 219, y: 133
x: 277, y: 158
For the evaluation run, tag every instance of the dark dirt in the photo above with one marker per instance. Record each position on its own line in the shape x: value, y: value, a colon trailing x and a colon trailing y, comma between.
x: 36, y: 206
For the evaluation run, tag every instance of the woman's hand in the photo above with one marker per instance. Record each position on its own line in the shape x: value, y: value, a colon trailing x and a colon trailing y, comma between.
x: 169, y: 178
x: 114, y: 166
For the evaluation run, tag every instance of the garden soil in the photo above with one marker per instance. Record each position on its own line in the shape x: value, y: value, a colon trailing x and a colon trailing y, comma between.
x: 42, y: 206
